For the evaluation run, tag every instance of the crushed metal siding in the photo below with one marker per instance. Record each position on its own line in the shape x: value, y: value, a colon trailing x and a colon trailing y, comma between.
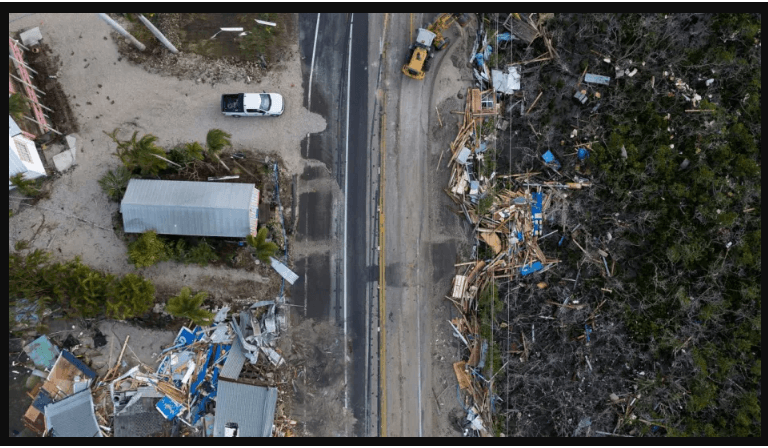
x: 189, y: 208
x: 251, y: 407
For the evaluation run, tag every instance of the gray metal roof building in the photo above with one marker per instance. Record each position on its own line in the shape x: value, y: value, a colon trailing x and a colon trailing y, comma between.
x: 72, y: 417
x: 250, y: 408
x: 190, y: 208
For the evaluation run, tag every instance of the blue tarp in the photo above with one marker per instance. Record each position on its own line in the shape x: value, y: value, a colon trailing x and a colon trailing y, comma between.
x: 583, y: 153
x: 531, y: 268
x: 503, y: 37
x: 550, y: 159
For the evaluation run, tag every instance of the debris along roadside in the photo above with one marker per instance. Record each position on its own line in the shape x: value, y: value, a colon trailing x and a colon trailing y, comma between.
x: 185, y: 390
x: 506, y: 213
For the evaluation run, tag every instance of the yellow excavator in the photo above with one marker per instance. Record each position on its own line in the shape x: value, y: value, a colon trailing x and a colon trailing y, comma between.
x: 421, y: 53
x: 442, y: 23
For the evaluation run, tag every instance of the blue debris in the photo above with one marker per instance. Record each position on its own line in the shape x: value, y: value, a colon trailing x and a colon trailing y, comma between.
x: 583, y: 153
x: 487, y: 53
x: 80, y: 365
x: 561, y: 240
x: 483, y: 352
x: 596, y: 79
x: 168, y: 407
x: 43, y: 398
x: 503, y: 37
x: 588, y: 331
x: 479, y: 58
x: 550, y: 159
x: 531, y: 268
x: 42, y: 352
x: 536, y: 213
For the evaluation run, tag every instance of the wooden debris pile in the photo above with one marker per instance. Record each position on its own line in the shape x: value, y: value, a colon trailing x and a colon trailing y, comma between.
x: 507, y: 214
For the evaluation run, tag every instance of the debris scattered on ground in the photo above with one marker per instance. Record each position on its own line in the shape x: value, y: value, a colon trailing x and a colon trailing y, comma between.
x: 182, y: 388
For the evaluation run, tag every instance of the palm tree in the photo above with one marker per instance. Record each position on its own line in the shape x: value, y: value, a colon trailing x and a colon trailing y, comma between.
x: 217, y: 140
x: 144, y: 152
x: 17, y: 105
x: 114, y: 182
x: 264, y: 249
x: 188, y: 306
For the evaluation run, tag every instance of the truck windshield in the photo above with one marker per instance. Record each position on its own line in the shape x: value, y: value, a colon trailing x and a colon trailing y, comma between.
x: 265, y: 102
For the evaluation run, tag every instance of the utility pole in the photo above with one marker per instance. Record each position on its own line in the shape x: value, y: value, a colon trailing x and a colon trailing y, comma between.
x: 158, y: 35
x: 122, y: 31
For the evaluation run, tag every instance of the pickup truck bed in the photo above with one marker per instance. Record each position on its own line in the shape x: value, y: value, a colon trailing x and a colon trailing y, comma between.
x: 232, y: 103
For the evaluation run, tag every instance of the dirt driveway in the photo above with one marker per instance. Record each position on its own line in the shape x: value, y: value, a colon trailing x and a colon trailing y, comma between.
x: 106, y: 92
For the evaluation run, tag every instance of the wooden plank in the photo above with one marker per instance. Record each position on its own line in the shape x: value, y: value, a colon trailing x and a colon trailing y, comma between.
x: 461, y: 374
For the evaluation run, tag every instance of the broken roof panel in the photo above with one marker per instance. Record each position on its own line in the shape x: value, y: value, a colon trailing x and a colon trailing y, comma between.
x: 508, y: 81
x: 235, y: 361
x: 596, y: 79
x: 251, y: 408
x: 283, y: 270
x: 139, y: 420
x: 42, y: 352
x: 72, y: 417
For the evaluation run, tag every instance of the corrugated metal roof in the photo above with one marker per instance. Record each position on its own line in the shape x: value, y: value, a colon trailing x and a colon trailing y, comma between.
x: 283, y: 270
x: 235, y: 361
x: 252, y: 408
x: 140, y: 420
x: 72, y: 417
x: 188, y: 208
x: 42, y: 352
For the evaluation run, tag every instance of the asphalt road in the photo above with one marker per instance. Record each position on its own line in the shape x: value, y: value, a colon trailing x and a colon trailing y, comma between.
x: 335, y: 207
x: 420, y: 246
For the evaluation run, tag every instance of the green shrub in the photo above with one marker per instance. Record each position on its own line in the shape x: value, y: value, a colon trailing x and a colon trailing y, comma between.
x: 147, y: 250
x: 114, y: 183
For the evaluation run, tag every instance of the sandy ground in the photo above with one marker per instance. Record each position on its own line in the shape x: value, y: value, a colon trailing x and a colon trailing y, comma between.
x: 106, y: 92
x: 422, y: 238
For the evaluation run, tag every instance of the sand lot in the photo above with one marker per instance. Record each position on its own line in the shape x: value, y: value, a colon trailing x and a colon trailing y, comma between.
x: 107, y: 92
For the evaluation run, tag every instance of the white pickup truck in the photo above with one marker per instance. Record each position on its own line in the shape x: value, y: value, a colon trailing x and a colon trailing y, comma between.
x: 252, y: 104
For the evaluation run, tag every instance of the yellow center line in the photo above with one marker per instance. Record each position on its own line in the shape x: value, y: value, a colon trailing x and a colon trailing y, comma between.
x: 382, y: 274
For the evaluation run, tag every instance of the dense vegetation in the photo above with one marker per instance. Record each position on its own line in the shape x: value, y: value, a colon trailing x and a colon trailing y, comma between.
x: 75, y: 288
x: 678, y: 191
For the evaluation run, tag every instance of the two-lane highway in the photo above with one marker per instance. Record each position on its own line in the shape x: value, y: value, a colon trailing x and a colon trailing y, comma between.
x: 336, y: 207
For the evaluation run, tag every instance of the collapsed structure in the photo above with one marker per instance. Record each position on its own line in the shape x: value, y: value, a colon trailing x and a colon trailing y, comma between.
x: 197, y: 384
x: 507, y: 213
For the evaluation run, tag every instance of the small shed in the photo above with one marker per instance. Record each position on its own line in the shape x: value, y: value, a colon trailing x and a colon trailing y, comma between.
x: 243, y: 410
x: 190, y: 208
x: 72, y: 417
x: 22, y: 155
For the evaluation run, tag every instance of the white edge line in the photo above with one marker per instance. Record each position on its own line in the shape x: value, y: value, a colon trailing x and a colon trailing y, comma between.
x: 346, y: 196
x: 312, y: 64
